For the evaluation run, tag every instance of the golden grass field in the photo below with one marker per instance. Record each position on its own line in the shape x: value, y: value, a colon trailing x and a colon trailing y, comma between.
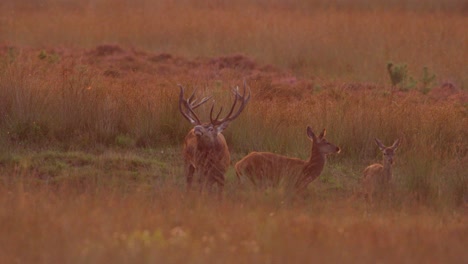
x: 91, y: 169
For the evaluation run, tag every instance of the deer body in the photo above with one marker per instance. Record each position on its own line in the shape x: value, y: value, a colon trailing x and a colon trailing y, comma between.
x: 205, y: 151
x: 209, y: 161
x: 378, y: 176
x: 258, y: 167
x: 265, y: 168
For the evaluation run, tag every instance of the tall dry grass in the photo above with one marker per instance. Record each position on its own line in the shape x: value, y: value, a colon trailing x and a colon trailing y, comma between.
x: 69, y: 101
x: 344, y: 40
x: 75, y: 223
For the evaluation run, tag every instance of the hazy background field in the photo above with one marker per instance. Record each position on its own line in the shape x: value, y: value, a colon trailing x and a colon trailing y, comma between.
x: 343, y: 40
x: 90, y: 164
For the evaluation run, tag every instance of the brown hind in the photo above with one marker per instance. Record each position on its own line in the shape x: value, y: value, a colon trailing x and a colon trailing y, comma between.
x: 266, y: 168
x: 378, y: 176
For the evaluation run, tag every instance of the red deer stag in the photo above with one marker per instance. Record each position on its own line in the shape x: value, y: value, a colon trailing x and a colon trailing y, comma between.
x: 378, y: 176
x: 205, y: 151
x: 268, y: 168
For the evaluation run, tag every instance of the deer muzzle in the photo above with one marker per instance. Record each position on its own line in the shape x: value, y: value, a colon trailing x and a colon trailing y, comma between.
x: 198, y: 131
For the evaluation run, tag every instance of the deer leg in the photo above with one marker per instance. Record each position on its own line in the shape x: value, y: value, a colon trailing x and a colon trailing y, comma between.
x: 301, y: 189
x: 239, y: 179
x: 369, y: 197
x: 301, y: 185
x: 221, y: 186
x: 189, y: 171
x: 201, y: 182
x: 219, y: 180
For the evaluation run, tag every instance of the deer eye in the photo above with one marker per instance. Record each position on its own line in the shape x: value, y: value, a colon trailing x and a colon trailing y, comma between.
x: 210, y: 129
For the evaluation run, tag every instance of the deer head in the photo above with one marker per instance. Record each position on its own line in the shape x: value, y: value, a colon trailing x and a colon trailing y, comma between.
x: 320, y: 144
x: 388, y: 152
x: 207, y: 132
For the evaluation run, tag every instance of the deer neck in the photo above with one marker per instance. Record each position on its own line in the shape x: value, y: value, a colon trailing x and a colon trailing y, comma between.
x: 387, y: 170
x: 314, y: 166
x: 208, y: 145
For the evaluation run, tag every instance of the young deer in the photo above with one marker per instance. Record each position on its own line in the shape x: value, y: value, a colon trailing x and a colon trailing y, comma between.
x: 205, y: 151
x: 378, y: 176
x: 267, y: 168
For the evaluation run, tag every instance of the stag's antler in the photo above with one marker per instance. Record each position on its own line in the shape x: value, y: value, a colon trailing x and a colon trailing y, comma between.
x: 230, y: 116
x: 190, y: 105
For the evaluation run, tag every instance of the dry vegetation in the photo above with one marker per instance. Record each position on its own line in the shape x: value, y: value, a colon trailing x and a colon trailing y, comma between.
x: 90, y: 163
x: 345, y: 40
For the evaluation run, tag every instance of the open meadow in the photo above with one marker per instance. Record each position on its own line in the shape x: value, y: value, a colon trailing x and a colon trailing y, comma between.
x: 91, y: 168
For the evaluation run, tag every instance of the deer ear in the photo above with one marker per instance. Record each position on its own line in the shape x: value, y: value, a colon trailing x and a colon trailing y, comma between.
x: 220, y: 128
x: 311, y: 134
x: 396, y: 144
x: 323, y: 134
x: 380, y: 144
